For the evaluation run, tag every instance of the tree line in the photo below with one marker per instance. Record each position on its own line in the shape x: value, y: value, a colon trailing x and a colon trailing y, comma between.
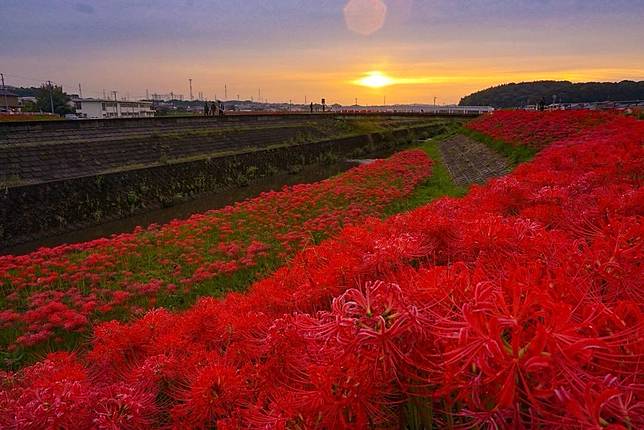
x: 45, y: 95
x: 529, y: 93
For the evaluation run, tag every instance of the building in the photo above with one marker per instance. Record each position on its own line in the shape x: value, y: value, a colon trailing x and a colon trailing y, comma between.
x: 105, y: 108
x: 9, y: 101
x: 28, y: 99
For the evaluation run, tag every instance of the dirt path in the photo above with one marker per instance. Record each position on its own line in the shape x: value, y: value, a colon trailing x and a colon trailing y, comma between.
x: 469, y: 161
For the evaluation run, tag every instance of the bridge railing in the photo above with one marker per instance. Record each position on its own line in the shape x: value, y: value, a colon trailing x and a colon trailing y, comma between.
x: 439, y: 110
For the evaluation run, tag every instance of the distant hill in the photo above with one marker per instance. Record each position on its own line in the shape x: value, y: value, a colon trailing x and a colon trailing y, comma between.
x: 517, y: 95
x: 24, y: 92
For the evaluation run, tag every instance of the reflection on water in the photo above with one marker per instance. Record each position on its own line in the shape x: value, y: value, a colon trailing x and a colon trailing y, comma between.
x: 362, y: 160
x: 202, y: 203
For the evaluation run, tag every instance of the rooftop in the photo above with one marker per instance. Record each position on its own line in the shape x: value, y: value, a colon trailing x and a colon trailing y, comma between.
x: 78, y: 99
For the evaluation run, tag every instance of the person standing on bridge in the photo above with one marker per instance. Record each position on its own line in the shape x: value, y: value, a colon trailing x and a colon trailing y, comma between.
x: 311, y: 107
x: 213, y: 109
x: 206, y: 108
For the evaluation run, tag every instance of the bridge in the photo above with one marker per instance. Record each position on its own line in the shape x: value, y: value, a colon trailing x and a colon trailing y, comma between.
x: 8, y: 127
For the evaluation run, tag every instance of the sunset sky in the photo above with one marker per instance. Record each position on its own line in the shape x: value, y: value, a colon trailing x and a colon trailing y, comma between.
x: 318, y: 48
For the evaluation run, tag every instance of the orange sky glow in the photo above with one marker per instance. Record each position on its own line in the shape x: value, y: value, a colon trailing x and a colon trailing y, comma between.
x: 403, y: 50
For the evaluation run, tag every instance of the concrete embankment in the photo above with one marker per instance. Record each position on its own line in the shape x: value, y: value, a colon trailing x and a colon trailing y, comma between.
x: 63, y: 188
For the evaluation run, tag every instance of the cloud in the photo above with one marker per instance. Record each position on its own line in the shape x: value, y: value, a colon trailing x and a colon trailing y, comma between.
x: 84, y: 8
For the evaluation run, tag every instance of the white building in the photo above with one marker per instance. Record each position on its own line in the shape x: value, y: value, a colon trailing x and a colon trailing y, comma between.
x: 104, y: 108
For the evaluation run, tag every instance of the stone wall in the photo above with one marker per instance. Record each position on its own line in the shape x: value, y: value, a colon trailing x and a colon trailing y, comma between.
x: 30, y: 156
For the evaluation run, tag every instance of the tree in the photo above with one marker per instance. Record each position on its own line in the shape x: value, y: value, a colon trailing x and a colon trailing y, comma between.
x: 29, y: 106
x: 48, y: 94
x: 521, y: 94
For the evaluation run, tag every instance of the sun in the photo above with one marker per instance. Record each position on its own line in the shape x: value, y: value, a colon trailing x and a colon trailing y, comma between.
x: 375, y: 79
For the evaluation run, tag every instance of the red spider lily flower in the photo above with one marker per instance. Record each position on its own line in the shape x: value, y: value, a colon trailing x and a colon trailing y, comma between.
x: 517, y: 306
x: 214, y: 393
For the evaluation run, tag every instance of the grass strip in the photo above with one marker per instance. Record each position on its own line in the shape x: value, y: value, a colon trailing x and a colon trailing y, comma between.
x: 438, y: 184
x: 515, y: 154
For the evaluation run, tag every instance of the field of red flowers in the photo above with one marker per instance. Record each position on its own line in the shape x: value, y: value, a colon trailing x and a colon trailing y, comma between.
x: 517, y: 306
x: 538, y: 129
x: 51, y: 296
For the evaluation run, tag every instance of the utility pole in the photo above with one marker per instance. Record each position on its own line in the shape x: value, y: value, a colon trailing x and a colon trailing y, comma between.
x: 4, y: 92
x: 190, y: 80
x: 356, y: 101
x: 237, y: 97
x: 434, y: 101
x: 305, y: 101
x: 51, y: 97
x: 259, y: 94
x: 225, y: 92
x: 116, y: 103
x: 147, y: 94
x: 80, y: 91
x: 384, y: 100
x: 104, y: 96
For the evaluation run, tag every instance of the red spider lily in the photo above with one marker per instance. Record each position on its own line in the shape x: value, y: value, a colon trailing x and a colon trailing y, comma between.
x: 517, y: 306
x: 215, y: 392
x: 124, y: 407
x: 114, y: 277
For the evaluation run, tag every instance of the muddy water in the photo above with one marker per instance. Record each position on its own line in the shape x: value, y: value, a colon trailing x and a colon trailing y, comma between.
x: 202, y: 203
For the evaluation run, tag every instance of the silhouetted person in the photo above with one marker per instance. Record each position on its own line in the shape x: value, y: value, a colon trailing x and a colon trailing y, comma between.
x: 542, y: 104
x: 213, y: 109
x: 311, y: 107
x: 206, y: 109
x: 221, y: 109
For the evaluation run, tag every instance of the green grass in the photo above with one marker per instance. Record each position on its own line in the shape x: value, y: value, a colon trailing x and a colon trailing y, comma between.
x: 439, y: 183
x: 514, y: 154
